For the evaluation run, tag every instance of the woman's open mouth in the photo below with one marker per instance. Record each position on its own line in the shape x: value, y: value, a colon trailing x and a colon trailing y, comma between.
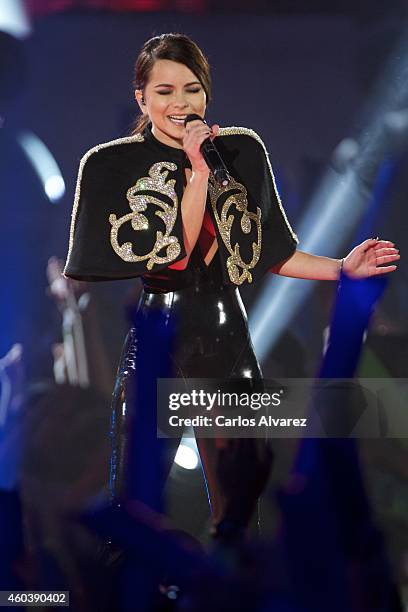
x: 177, y: 119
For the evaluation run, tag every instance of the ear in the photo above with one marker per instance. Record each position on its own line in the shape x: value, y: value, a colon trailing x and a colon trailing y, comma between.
x: 138, y: 98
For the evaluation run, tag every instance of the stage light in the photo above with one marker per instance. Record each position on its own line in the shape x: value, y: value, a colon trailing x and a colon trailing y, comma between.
x: 54, y: 187
x: 344, y: 154
x: 347, y: 192
x: 44, y: 164
x: 187, y: 455
x: 13, y: 19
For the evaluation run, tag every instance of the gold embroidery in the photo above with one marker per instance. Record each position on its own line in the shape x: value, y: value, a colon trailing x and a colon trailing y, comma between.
x: 125, y: 140
x: 238, y: 270
x: 138, y: 202
x: 227, y: 131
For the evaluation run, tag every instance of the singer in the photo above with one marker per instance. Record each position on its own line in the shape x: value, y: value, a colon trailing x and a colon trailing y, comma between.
x: 148, y: 206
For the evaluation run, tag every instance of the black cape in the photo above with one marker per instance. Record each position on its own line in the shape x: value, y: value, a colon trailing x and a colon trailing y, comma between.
x: 126, y: 218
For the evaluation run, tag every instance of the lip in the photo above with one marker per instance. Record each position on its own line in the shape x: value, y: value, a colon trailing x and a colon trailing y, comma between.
x: 181, y: 124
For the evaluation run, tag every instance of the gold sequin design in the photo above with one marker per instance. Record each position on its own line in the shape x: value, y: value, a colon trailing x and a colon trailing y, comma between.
x: 104, y: 145
x: 138, y: 203
x: 227, y: 131
x: 238, y: 270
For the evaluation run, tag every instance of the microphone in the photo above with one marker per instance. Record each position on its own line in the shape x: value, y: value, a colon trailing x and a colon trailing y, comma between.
x: 211, y: 155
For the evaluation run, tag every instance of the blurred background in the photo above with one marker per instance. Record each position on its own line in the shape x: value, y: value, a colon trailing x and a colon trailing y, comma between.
x: 326, y: 87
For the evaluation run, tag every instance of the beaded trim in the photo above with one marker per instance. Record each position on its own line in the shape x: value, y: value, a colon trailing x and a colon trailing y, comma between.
x: 95, y: 149
x: 228, y: 131
x: 138, y: 203
x: 238, y: 270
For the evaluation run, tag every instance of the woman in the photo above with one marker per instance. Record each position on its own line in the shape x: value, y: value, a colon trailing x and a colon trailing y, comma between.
x: 147, y: 205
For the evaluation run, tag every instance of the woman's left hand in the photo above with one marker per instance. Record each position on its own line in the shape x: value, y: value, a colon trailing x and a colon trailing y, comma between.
x: 367, y: 258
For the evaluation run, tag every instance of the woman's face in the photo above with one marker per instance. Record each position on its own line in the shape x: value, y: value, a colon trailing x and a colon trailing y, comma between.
x: 172, y: 92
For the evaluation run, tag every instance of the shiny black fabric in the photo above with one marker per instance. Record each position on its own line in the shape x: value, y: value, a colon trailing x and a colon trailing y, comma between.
x: 202, y: 331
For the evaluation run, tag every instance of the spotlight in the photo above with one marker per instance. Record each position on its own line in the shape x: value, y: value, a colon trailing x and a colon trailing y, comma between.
x: 344, y: 154
x: 54, y: 187
x: 13, y: 18
x: 44, y: 164
x: 186, y: 456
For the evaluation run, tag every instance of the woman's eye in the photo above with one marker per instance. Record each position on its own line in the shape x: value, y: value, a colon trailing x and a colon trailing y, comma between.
x: 166, y: 93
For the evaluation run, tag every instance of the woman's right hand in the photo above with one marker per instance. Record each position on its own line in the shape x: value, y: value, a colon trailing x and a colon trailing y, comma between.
x: 194, y: 135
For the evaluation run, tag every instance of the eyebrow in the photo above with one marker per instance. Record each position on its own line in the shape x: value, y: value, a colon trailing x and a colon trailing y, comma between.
x: 186, y: 85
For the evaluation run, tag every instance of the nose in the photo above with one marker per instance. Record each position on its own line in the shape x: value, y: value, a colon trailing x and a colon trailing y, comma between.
x: 180, y: 100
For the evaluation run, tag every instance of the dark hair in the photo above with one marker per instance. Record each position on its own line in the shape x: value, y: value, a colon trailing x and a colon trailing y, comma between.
x: 178, y: 48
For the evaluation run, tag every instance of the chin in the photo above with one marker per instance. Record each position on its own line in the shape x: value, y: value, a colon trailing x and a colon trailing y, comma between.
x: 173, y: 131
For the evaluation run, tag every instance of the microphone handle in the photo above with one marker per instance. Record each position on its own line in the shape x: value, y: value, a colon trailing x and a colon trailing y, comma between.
x: 215, y: 162
x: 211, y: 155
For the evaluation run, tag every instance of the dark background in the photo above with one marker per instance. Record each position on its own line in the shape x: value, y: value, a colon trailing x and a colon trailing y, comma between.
x: 299, y: 79
x: 299, y: 74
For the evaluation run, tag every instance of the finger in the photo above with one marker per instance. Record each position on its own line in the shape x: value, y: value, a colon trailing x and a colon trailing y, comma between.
x: 385, y: 251
x: 383, y: 243
x: 370, y: 242
x: 384, y: 270
x: 386, y: 259
x: 194, y: 125
x: 197, y: 126
x: 215, y: 131
x: 193, y: 134
x: 374, y: 243
x: 199, y: 138
x: 195, y: 122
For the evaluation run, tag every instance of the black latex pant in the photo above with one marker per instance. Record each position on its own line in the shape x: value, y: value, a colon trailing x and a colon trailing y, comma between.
x: 196, y: 332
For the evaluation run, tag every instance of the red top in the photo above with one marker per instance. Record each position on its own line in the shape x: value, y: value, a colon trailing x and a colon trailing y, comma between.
x: 204, y: 239
x: 208, y: 224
